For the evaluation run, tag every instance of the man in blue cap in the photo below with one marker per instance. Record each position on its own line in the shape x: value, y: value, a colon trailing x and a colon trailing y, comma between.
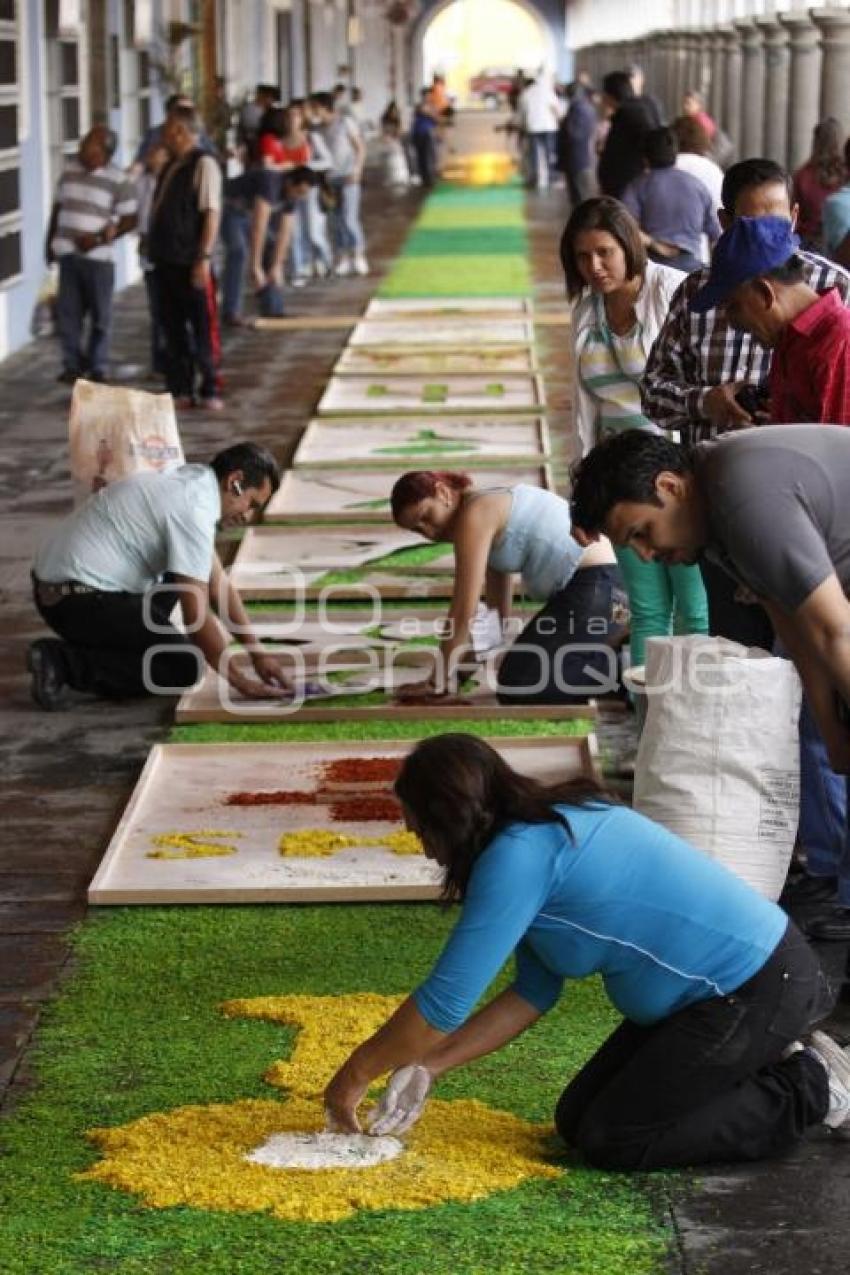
x: 757, y: 274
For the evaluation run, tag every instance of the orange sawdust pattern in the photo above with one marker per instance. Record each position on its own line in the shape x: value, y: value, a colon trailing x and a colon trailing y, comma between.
x: 194, y: 1156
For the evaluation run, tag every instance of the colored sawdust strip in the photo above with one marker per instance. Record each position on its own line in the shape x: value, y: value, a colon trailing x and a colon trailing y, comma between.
x: 489, y: 275
x: 137, y: 1045
x: 307, y: 732
x: 466, y: 241
x: 435, y: 217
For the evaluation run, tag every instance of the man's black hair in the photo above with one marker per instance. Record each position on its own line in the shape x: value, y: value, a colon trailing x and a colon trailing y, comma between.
x: 256, y: 463
x: 618, y: 85
x: 661, y: 146
x: 623, y: 467
x: 748, y: 175
x: 172, y: 100
x: 325, y: 100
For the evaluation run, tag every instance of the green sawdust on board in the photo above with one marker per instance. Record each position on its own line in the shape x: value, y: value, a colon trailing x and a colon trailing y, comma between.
x: 426, y: 443
x: 137, y: 1029
x: 308, y: 732
x: 339, y: 608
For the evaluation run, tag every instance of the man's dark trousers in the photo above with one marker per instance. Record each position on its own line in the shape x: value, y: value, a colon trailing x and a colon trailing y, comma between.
x: 85, y: 288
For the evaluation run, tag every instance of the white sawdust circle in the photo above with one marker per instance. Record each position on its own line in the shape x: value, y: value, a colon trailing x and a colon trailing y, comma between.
x: 324, y: 1151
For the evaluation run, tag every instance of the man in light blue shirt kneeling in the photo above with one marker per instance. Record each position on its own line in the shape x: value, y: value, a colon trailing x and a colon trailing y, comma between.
x: 108, y: 579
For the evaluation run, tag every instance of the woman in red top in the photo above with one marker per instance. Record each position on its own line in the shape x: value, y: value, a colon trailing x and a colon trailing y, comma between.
x: 693, y: 105
x: 283, y: 143
x: 820, y: 176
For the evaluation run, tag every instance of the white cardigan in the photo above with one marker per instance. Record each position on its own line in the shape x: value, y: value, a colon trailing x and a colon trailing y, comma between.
x: 651, y: 306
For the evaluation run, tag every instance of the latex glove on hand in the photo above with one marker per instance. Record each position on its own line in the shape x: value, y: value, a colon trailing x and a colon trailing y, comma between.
x: 402, y: 1101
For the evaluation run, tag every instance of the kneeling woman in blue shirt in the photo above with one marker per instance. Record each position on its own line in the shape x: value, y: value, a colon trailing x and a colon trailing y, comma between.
x: 715, y: 984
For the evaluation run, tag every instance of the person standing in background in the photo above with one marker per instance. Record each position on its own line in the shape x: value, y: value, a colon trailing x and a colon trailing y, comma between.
x: 540, y: 112
x: 95, y: 203
x: 694, y: 157
x: 817, y: 179
x: 576, y: 156
x: 183, y: 230
x: 673, y: 209
x: 348, y: 155
x: 621, y: 159
x: 836, y: 215
x: 620, y: 301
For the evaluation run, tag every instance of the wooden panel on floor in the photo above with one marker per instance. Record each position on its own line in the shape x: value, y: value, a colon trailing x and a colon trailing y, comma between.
x: 363, y: 495
x: 363, y: 690
x: 182, y: 797
x: 447, y: 307
x: 402, y: 331
x: 475, y: 361
x: 424, y: 396
x: 337, y: 440
x: 321, y: 549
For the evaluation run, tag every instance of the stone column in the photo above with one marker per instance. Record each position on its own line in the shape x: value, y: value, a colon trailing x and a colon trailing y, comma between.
x: 730, y: 119
x: 750, y: 131
x: 664, y: 71
x: 803, y: 87
x: 716, y: 84
x: 777, y: 80
x: 834, y: 26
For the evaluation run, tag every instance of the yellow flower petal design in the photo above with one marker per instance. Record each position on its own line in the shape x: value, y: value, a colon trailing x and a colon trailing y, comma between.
x: 194, y: 1156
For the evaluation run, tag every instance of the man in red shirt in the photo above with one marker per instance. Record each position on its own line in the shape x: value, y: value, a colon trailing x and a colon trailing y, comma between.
x: 755, y: 271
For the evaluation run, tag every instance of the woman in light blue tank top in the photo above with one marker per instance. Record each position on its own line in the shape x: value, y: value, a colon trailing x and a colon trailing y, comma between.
x: 567, y: 652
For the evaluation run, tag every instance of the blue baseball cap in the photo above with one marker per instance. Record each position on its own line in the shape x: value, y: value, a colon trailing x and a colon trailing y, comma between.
x: 750, y: 247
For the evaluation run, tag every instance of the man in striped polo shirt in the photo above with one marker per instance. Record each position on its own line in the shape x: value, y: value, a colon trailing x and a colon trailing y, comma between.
x: 95, y: 204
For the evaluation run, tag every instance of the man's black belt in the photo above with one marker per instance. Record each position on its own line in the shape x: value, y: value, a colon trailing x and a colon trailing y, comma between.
x: 48, y: 594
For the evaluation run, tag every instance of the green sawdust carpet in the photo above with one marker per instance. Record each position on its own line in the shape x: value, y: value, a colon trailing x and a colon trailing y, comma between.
x: 490, y: 275
x: 462, y: 241
x: 138, y: 1030
x: 454, y: 250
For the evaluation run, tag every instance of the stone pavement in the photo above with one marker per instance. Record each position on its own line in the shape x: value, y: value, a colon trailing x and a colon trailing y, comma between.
x: 68, y: 775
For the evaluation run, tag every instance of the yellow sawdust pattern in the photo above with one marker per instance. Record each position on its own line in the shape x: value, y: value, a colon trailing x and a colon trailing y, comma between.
x: 205, y: 843
x: 194, y: 1156
x: 307, y: 843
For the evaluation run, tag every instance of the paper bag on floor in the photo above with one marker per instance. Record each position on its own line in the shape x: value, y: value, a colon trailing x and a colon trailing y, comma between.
x: 116, y: 431
x: 719, y: 757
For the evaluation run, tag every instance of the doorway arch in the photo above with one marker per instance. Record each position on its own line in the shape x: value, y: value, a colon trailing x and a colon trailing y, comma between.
x: 520, y: 24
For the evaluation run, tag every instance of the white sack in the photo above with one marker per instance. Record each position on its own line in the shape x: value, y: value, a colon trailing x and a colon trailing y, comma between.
x: 115, y: 432
x: 719, y: 757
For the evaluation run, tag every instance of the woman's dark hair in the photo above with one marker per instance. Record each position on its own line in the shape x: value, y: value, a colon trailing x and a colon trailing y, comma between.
x: 421, y: 484
x: 622, y: 467
x: 275, y: 121
x: 461, y: 793
x: 256, y: 463
x: 660, y: 147
x: 691, y: 136
x: 601, y: 213
x: 750, y: 174
x: 826, y: 158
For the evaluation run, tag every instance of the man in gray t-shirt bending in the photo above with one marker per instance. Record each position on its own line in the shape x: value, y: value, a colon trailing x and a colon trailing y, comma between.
x: 772, y: 507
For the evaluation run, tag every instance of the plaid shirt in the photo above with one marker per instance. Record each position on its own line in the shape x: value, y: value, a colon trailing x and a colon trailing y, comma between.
x: 695, y: 352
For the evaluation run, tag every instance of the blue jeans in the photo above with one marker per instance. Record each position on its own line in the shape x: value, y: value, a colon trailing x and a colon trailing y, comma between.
x: 824, y: 831
x: 541, y: 158
x: 85, y: 288
x: 347, y: 228
x: 236, y: 238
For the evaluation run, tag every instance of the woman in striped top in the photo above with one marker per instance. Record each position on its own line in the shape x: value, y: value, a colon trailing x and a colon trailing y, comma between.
x: 620, y: 302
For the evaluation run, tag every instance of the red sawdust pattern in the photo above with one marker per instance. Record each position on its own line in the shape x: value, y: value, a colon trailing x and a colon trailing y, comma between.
x: 366, y: 810
x: 280, y: 797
